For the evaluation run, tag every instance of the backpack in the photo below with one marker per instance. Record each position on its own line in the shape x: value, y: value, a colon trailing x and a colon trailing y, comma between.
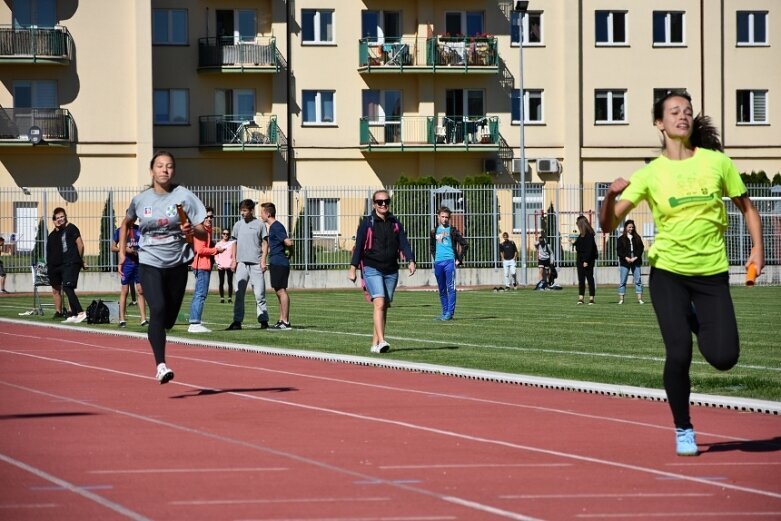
x: 98, y: 313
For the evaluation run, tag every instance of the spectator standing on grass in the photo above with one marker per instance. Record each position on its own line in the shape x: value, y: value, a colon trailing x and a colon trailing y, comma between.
x: 689, y: 278
x: 249, y: 249
x: 202, y: 271
x: 379, y: 241
x: 629, y: 248
x: 448, y: 248
x: 2, y: 268
x: 585, y: 258
x: 65, y: 259
x: 164, y: 252
x: 129, y: 276
x: 508, y: 252
x: 543, y: 260
x: 224, y: 260
x: 280, y: 247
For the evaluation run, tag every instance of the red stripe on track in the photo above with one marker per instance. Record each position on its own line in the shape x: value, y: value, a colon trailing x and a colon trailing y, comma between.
x: 86, y: 433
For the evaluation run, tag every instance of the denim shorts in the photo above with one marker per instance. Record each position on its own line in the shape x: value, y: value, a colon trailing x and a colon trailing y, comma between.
x: 380, y: 284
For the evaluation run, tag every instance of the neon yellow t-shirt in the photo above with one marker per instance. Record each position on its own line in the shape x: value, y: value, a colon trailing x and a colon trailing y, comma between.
x: 686, y: 200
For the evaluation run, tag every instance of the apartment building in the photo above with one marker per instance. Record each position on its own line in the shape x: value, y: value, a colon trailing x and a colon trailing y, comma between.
x: 362, y: 92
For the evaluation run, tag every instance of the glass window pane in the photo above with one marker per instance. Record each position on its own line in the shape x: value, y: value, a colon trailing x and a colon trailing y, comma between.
x: 744, y: 106
x: 371, y: 104
x: 618, y: 107
x: 328, y: 106
x: 245, y: 101
x: 453, y: 24
x: 393, y: 105
x: 46, y: 13
x: 179, y: 26
x: 45, y: 94
x: 600, y: 107
x: 514, y: 30
x: 160, y: 26
x: 619, y: 27
x: 23, y: 95
x: 326, y: 26
x: 676, y: 27
x: 247, y: 25
x: 743, y: 27
x: 309, y: 108
x: 535, y: 106
x: 392, y: 24
x: 601, y: 26
x: 179, y: 106
x: 23, y: 14
x: 658, y: 30
x: 308, y: 26
x: 160, y: 106
x: 474, y: 23
x: 760, y: 29
x: 331, y: 218
x: 535, y: 27
x: 474, y: 101
x: 370, y: 21
x: 516, y: 108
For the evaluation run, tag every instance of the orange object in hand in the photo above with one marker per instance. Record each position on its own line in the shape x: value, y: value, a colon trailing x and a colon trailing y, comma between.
x: 184, y: 219
x: 751, y: 275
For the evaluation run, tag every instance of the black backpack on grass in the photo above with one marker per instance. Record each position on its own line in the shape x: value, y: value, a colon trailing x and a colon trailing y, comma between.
x: 97, y: 313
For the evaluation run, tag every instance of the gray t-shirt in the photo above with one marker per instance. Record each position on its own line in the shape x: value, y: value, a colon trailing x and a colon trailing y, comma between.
x: 162, y: 244
x: 248, y: 236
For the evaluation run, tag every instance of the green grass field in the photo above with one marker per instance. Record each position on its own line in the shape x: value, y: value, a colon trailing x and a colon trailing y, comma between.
x: 523, y: 332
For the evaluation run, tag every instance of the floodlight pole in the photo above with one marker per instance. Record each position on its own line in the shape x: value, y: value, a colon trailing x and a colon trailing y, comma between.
x: 520, y: 8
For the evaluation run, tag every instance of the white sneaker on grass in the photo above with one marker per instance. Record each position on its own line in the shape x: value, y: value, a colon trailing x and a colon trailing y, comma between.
x: 77, y: 319
x: 198, y: 328
x: 164, y: 375
x: 382, y: 347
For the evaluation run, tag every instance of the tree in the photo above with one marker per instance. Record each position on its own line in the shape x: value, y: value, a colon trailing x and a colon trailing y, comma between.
x: 107, y: 226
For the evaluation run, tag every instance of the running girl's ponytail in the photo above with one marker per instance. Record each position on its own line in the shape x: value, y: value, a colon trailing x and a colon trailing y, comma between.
x: 705, y: 135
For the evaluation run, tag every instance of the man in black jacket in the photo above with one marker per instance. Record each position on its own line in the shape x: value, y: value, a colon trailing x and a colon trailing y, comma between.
x: 65, y: 259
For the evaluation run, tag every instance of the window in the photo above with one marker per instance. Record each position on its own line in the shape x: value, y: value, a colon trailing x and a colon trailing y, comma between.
x: 464, y: 23
x: 668, y: 28
x: 236, y: 25
x: 377, y: 26
x: 660, y: 93
x: 171, y: 106
x: 382, y: 105
x: 324, y: 215
x: 534, y: 207
x: 531, y: 26
x: 532, y: 107
x: 169, y: 26
x: 611, y: 28
x: 752, y: 106
x: 39, y: 94
x: 40, y: 13
x: 237, y: 103
x: 609, y: 106
x: 752, y: 27
x: 319, y: 107
x: 317, y: 26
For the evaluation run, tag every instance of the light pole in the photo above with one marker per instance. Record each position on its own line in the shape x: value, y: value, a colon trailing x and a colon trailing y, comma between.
x: 520, y: 8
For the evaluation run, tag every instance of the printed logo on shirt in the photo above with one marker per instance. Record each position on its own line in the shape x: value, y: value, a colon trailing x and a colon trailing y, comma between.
x: 147, y: 211
x: 170, y: 211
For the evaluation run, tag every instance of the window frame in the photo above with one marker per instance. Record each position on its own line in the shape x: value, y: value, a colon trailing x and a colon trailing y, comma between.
x: 668, y: 25
x: 525, y: 20
x: 609, y: 97
x: 34, y: 87
x: 528, y: 94
x: 319, y: 101
x: 170, y: 27
x: 535, y: 200
x: 316, y: 22
x: 611, y: 28
x: 319, y: 220
x: 739, y: 104
x: 170, y: 99
x: 380, y: 31
x: 751, y: 29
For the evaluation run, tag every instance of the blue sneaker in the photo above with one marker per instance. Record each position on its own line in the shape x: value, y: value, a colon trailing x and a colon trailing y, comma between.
x: 686, y: 442
x: 444, y: 316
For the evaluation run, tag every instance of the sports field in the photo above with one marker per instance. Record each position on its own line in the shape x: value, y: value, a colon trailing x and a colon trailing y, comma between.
x: 522, y: 332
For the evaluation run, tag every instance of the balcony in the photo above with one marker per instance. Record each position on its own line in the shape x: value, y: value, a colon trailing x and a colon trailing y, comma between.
x: 56, y: 126
x: 431, y: 134
x: 225, y: 55
x: 239, y: 132
x: 472, y: 55
x: 35, y: 45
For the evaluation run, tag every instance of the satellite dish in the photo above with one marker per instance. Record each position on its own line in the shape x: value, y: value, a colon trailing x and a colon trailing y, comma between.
x: 35, y: 135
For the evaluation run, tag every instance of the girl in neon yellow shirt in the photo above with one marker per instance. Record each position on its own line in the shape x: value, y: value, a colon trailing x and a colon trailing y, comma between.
x: 689, y: 281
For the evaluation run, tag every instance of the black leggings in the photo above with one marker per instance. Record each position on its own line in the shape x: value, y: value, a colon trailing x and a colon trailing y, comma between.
x: 586, y: 274
x: 686, y: 305
x: 222, y: 274
x: 163, y: 291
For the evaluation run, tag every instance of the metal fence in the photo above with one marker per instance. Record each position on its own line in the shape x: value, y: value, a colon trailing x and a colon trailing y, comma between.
x: 323, y: 220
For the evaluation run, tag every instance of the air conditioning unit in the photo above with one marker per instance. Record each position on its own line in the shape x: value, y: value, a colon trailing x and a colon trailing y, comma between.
x: 548, y: 166
x: 517, y: 166
x: 490, y: 166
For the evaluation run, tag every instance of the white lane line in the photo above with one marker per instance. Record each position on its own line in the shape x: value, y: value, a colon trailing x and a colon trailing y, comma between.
x: 81, y: 491
x: 678, y: 515
x: 186, y: 471
x: 606, y: 495
x: 205, y: 502
x: 473, y: 466
x: 241, y: 443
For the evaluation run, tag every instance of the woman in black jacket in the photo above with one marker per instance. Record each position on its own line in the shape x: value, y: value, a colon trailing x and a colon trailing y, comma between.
x: 586, y: 256
x: 630, y: 257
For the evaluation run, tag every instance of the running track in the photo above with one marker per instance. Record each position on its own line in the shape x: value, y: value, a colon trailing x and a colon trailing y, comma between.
x: 87, y: 433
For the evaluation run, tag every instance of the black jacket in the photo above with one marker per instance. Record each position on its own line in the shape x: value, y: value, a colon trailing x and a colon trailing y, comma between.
x: 623, y: 250
x: 460, y: 246
x: 586, y: 249
x: 388, y: 240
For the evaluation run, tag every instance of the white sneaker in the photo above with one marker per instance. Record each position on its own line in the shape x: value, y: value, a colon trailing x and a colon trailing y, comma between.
x: 640, y: 301
x: 198, y: 328
x: 164, y: 375
x: 382, y: 347
x: 77, y: 319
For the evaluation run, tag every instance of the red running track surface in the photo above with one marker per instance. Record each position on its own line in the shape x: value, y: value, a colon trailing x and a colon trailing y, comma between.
x: 87, y: 433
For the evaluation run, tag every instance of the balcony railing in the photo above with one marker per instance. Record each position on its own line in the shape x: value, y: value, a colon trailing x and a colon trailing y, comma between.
x: 429, y: 133
x: 234, y: 131
x: 35, y: 44
x: 436, y: 54
x: 56, y: 125
x: 226, y: 55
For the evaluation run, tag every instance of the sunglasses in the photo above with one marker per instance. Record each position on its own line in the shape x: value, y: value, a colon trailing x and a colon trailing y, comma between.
x: 226, y: 234
x: 382, y: 202
x: 210, y: 217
